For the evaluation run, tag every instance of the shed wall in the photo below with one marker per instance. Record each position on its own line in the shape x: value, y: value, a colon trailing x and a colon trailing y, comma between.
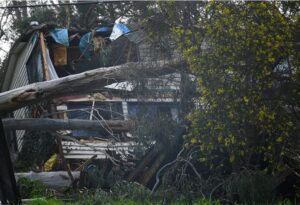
x: 19, y: 79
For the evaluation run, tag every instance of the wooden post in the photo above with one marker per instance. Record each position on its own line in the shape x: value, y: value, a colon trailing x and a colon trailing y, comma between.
x: 8, y: 187
x: 43, y: 51
x: 64, y: 161
x: 52, y: 107
x: 92, y: 110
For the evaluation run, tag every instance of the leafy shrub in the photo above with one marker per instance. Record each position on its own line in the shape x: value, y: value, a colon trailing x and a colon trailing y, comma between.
x: 98, y: 197
x: 122, y: 192
x: 130, y: 190
x: 31, y: 189
x: 127, y: 202
x: 207, y: 202
x: 132, y: 202
x: 46, y: 202
x: 38, y: 146
x: 252, y: 187
x: 285, y: 202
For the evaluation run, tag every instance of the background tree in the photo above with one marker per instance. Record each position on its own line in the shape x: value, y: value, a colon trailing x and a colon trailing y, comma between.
x: 244, y: 56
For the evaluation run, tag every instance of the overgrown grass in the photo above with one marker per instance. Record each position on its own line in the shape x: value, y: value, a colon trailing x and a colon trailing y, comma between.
x: 117, y: 202
x: 131, y: 202
x: 284, y: 202
x: 46, y: 202
x: 126, y: 193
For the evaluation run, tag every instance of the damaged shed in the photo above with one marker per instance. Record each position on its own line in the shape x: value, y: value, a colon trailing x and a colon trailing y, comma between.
x: 46, y: 53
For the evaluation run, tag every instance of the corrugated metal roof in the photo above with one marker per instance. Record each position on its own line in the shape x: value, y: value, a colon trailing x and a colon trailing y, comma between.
x: 16, y: 75
x: 74, y: 150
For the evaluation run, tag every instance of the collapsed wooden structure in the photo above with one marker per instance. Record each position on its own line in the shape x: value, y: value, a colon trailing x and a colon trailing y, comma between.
x: 42, y: 70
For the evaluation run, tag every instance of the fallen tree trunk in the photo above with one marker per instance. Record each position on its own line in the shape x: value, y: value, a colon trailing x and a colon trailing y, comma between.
x: 145, y: 161
x: 161, y: 153
x: 66, y: 124
x: 85, y: 82
x: 55, y: 180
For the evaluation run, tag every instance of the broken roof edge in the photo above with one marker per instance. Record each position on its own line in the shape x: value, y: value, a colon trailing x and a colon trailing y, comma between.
x: 11, y: 64
x: 15, y: 50
x: 17, y: 47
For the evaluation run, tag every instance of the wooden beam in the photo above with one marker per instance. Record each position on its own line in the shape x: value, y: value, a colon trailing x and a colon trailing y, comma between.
x: 43, y: 51
x: 66, y: 124
x: 85, y: 82
x: 63, y: 159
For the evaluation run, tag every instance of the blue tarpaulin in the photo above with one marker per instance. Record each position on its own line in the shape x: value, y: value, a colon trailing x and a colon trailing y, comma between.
x: 85, y: 45
x: 102, y: 29
x: 118, y: 30
x: 34, y: 68
x: 60, y: 36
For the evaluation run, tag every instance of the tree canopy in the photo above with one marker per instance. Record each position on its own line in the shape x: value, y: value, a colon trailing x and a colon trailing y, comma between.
x: 246, y: 60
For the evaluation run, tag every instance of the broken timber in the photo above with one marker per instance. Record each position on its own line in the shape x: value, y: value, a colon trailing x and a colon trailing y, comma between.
x: 85, y: 82
x: 151, y: 162
x: 66, y: 124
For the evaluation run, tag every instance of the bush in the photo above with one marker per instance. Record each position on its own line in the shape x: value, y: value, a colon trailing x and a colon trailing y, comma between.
x: 31, y: 189
x: 252, y: 187
x: 38, y: 146
x: 46, y: 202
x: 132, y: 202
x: 130, y: 190
x: 99, y: 197
x: 122, y: 192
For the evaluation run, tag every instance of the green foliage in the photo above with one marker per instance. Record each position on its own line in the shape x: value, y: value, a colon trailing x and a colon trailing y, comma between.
x: 129, y: 202
x: 132, y: 202
x: 121, y: 191
x: 206, y: 202
x: 38, y: 146
x: 47, y: 202
x: 130, y: 190
x: 31, y: 188
x: 247, y: 74
x: 119, y: 202
x: 41, y: 15
x: 285, y: 202
x: 252, y: 187
x: 98, y: 197
x: 82, y: 17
